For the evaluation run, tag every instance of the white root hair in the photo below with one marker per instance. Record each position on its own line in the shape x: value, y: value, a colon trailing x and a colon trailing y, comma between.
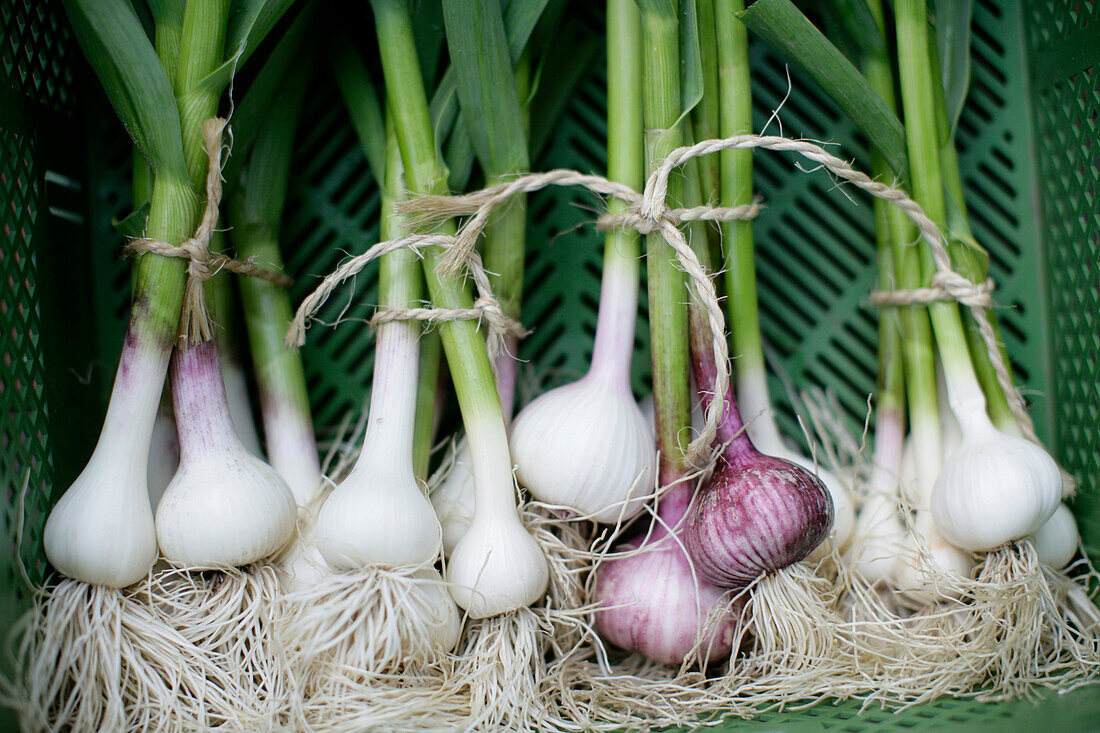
x: 94, y: 658
x: 230, y: 615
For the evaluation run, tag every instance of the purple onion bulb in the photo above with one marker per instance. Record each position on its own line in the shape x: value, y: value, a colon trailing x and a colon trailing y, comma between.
x: 757, y: 514
x: 651, y: 602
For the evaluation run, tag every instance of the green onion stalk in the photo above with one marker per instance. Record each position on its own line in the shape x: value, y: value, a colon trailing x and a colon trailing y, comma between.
x: 492, y: 100
x: 467, y: 356
x: 744, y: 317
x: 879, y: 533
x: 706, y: 118
x: 972, y: 262
x: 379, y: 620
x: 661, y: 108
x: 255, y: 214
x: 90, y: 638
x: 990, y: 468
x: 497, y: 569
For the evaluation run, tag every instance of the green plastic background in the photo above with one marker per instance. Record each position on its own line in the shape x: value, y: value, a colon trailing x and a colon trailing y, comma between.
x: 1031, y: 165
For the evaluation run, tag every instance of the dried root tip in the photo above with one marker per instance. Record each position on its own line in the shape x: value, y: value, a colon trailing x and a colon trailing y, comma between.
x: 95, y: 658
x: 352, y: 626
x: 583, y: 693
x: 427, y: 700
x: 230, y: 615
x: 502, y: 668
x: 793, y: 619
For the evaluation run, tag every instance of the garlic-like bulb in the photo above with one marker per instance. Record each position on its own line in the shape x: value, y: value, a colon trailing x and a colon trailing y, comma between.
x: 101, y: 531
x: 1056, y: 541
x: 757, y: 515
x: 164, y: 454
x: 429, y: 593
x: 652, y: 603
x: 764, y: 434
x: 844, y: 510
x: 994, y: 488
x: 225, y: 506
x: 586, y: 446
x: 378, y: 514
x: 301, y: 564
x: 453, y: 496
x: 497, y: 566
x: 879, y: 536
x: 929, y: 577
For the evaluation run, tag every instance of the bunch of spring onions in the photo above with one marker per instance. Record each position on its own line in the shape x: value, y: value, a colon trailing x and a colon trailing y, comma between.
x: 569, y: 569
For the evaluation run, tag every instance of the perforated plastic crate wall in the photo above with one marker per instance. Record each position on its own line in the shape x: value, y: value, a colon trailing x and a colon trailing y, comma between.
x: 1031, y: 164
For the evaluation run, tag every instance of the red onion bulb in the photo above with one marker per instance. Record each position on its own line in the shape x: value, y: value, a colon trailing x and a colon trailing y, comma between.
x: 757, y: 514
x: 651, y: 602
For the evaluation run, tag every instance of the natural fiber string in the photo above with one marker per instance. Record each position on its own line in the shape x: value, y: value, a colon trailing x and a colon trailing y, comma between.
x: 650, y: 212
x: 195, y: 326
x: 945, y: 286
x: 485, y: 309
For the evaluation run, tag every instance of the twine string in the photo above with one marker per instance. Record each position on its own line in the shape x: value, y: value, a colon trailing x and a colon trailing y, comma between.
x: 195, y: 324
x: 649, y: 212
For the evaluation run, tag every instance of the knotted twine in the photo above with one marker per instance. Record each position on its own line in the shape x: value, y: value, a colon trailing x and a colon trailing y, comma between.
x: 195, y: 325
x: 649, y: 212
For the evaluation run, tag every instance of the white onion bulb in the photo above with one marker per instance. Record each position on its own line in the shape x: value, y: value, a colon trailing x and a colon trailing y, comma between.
x: 101, y: 531
x: 1057, y: 540
x: 994, y: 488
x: 225, y: 506
x: 586, y: 446
x: 497, y: 566
x: 453, y: 497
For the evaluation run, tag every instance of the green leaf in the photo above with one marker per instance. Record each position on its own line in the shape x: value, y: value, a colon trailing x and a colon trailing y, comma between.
x: 660, y: 7
x: 145, y: 16
x: 362, y: 102
x: 788, y: 31
x: 459, y: 156
x: 520, y: 19
x: 249, y: 23
x: 262, y: 195
x: 167, y: 17
x: 568, y: 61
x: 250, y: 114
x: 952, y: 25
x: 128, y: 68
x: 133, y: 226
x: 691, y: 59
x: 428, y: 30
x: 486, y: 84
x: 852, y: 27
x: 167, y: 11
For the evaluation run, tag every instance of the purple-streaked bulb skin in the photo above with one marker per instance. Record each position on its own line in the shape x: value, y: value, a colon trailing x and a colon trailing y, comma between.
x: 757, y: 515
x: 652, y: 604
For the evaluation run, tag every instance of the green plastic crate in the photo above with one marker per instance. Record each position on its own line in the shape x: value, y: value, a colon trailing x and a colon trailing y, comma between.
x: 1030, y: 159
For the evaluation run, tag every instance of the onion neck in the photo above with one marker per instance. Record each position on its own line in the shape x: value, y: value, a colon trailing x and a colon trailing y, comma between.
x: 391, y: 423
x: 614, y: 344
x: 615, y: 323
x: 731, y: 431
x: 389, y: 432
x: 200, y: 403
